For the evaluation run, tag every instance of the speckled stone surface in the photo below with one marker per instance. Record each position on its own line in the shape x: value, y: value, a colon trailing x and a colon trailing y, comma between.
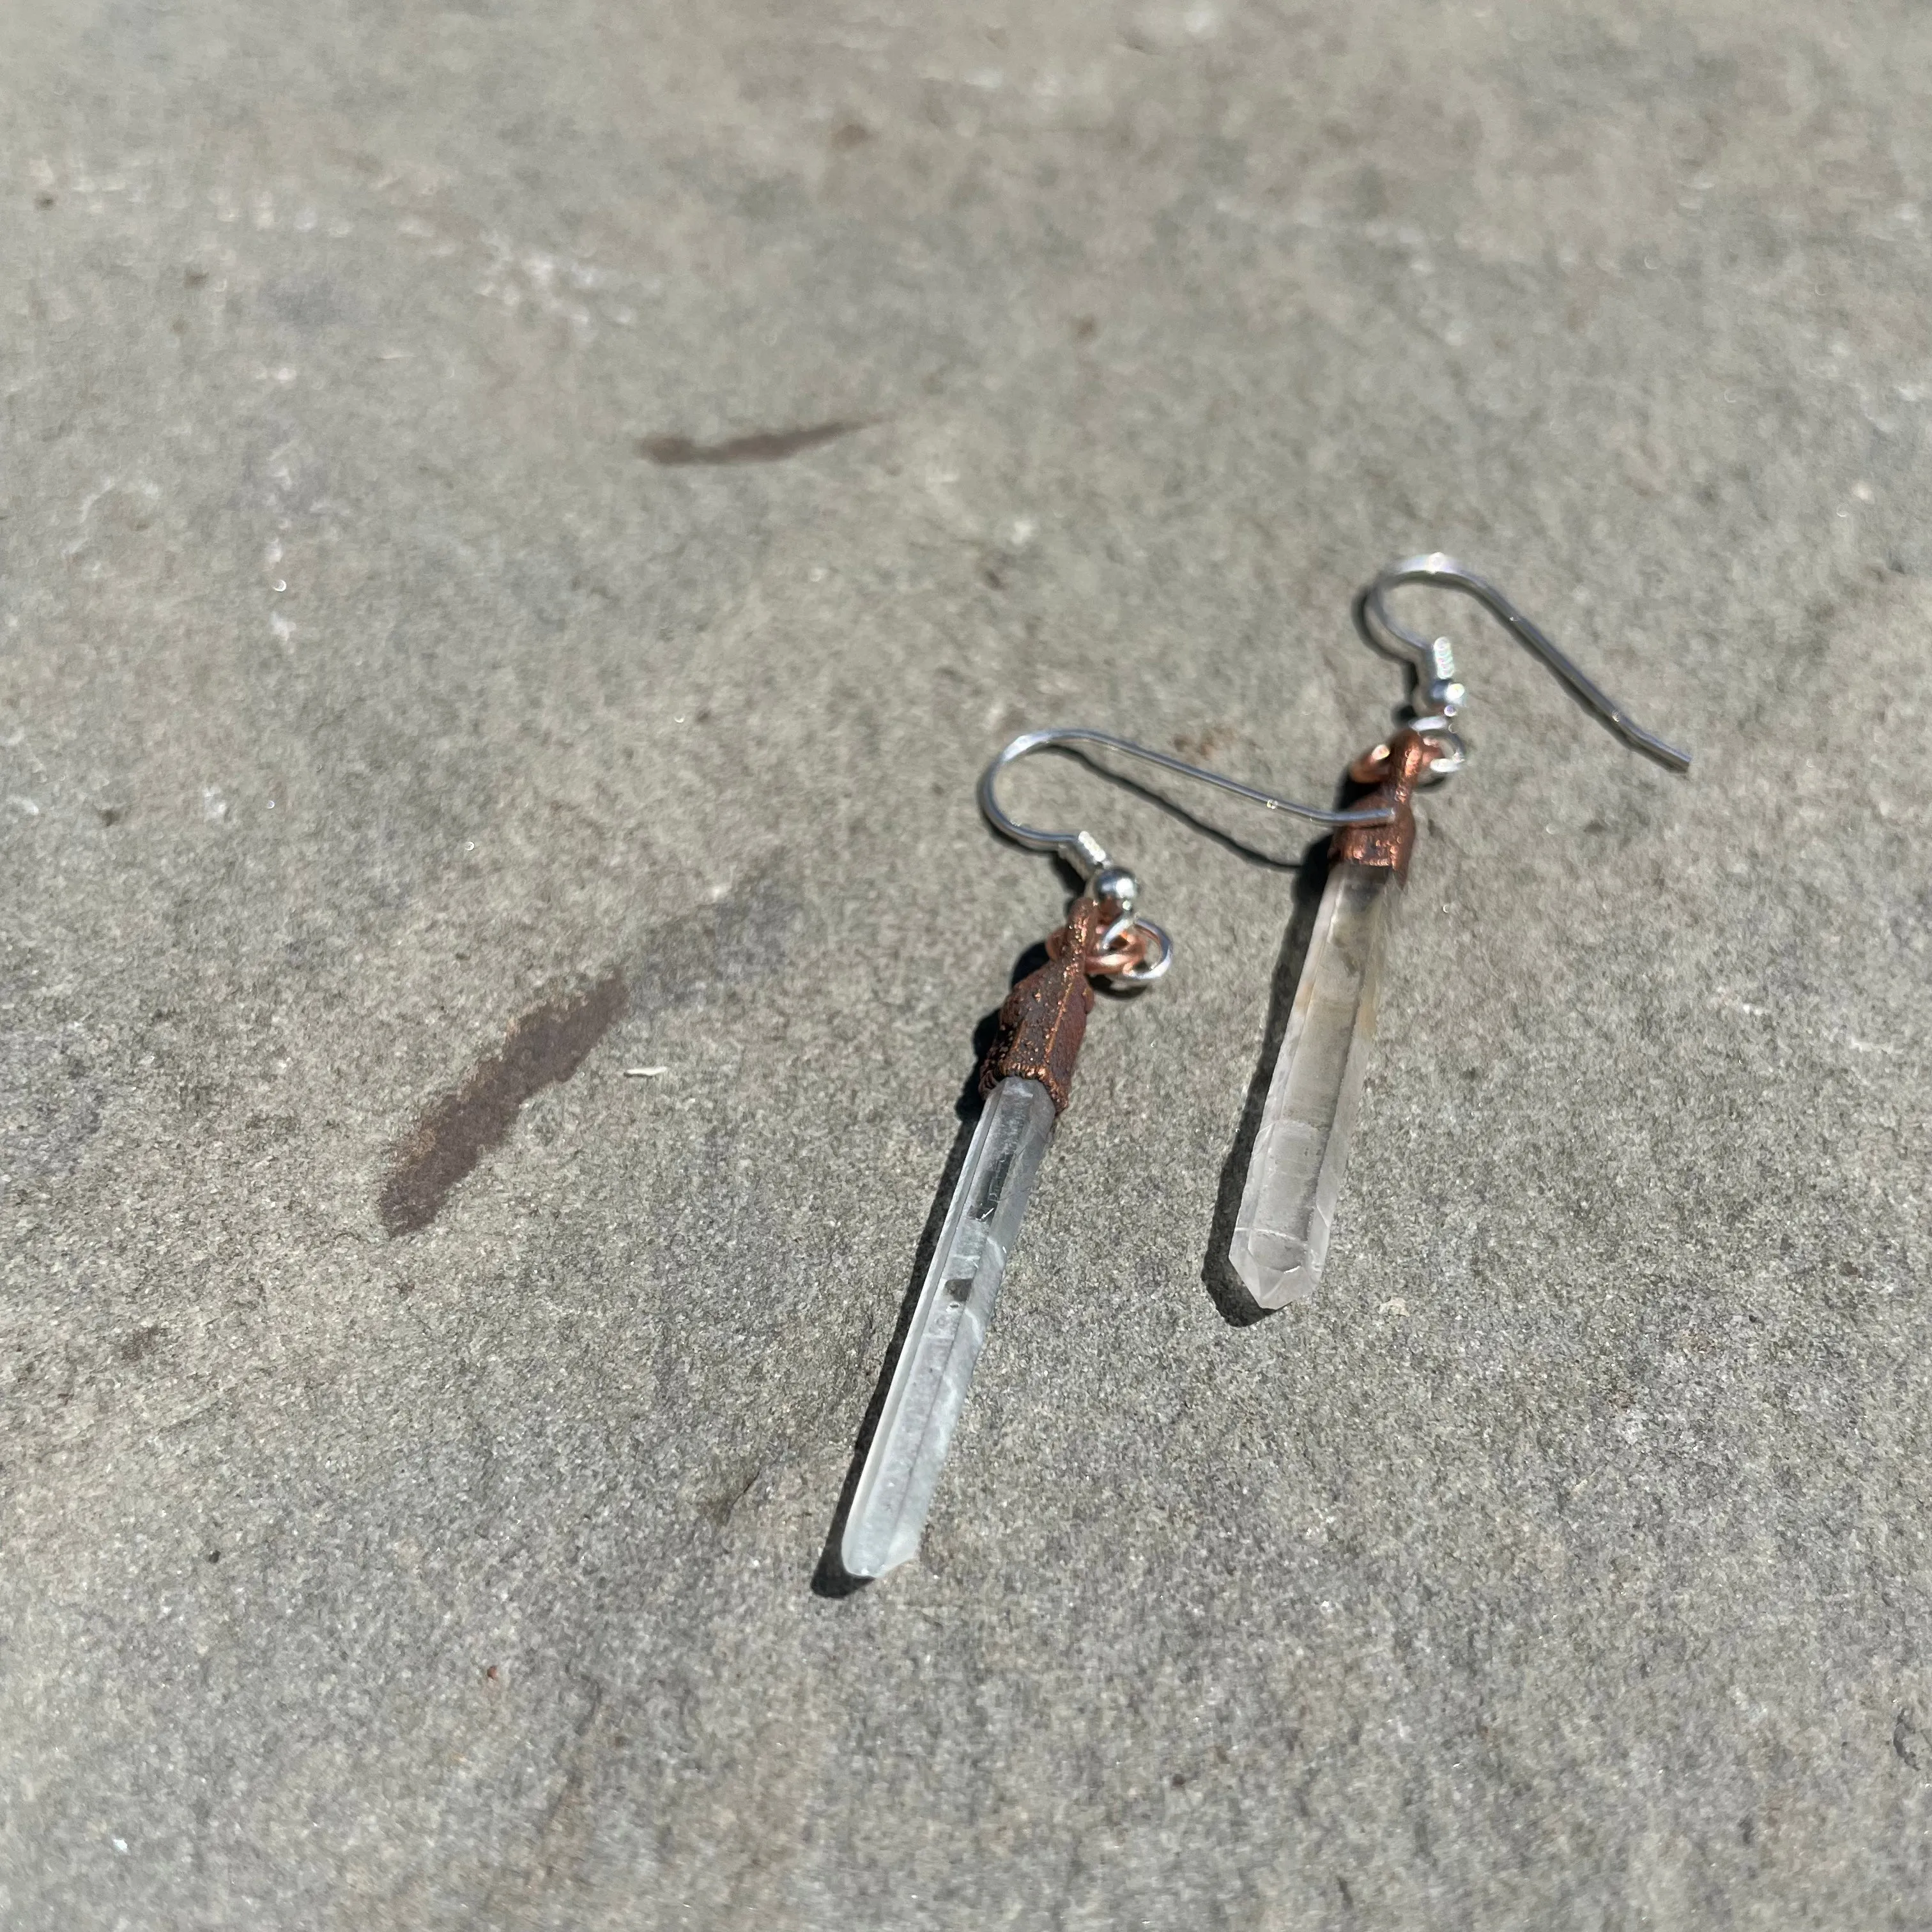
x: 519, y: 526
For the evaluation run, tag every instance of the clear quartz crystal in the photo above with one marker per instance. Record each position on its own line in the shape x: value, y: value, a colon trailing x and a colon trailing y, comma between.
x: 949, y: 1327
x: 1294, y: 1173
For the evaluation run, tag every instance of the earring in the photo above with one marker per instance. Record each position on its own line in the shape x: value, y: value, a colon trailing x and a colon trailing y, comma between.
x: 1295, y: 1167
x: 1301, y: 1151
x: 1026, y: 1081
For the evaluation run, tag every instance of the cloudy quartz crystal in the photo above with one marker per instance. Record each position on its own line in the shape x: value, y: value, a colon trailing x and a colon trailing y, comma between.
x: 1295, y: 1172
x: 949, y: 1327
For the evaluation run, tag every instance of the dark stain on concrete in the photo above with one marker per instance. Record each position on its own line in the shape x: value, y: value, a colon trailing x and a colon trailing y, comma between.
x: 737, y: 940
x: 764, y: 445
x: 544, y: 1046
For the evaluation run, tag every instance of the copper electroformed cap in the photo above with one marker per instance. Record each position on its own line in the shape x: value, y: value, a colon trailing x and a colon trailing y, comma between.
x: 1044, y: 1018
x: 1396, y: 769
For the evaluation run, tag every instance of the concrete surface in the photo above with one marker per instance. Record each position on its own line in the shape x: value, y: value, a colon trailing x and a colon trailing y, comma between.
x: 519, y: 526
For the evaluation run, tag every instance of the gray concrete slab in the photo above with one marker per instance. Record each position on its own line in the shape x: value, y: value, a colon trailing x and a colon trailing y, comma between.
x: 432, y: 664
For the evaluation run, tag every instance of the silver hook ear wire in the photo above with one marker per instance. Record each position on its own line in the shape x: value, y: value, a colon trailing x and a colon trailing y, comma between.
x: 1440, y: 697
x: 1088, y: 856
x: 1082, y: 850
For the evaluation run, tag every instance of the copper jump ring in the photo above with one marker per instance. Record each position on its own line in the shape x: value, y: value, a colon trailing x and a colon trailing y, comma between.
x: 1139, y: 956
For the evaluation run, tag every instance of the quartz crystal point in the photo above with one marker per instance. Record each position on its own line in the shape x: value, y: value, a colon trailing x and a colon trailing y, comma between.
x: 1294, y: 1173
x: 949, y: 1327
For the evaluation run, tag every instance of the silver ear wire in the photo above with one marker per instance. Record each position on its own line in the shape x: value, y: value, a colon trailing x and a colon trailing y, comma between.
x: 1082, y: 850
x: 1440, y: 697
x: 1144, y: 950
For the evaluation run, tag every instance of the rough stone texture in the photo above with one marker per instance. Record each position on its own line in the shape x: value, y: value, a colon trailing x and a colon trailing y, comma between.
x: 418, y: 605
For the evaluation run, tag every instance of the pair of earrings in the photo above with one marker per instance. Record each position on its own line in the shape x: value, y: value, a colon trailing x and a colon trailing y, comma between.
x: 1295, y: 1170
